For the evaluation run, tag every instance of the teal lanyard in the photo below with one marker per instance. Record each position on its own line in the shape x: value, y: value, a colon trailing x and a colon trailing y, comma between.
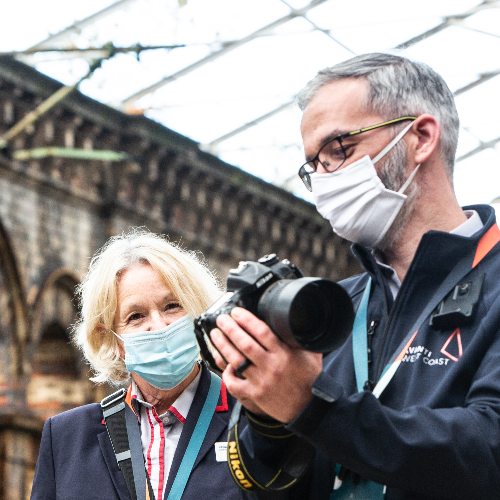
x: 359, y: 336
x: 196, y: 440
x: 363, y: 489
x: 369, y: 489
x: 360, y: 340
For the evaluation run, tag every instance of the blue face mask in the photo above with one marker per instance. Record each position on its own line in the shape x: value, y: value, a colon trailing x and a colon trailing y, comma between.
x: 163, y: 358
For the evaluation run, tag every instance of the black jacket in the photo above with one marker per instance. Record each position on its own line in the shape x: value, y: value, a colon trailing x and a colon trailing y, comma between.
x: 435, y: 431
x: 76, y: 459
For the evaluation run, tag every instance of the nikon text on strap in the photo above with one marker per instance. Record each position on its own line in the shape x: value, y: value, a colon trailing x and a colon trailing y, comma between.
x: 296, y: 460
x: 300, y: 453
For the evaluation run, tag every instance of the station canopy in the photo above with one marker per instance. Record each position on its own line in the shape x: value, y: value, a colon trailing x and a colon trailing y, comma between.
x: 226, y: 72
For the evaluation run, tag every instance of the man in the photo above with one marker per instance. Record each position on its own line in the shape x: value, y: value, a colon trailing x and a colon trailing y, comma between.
x: 409, y: 406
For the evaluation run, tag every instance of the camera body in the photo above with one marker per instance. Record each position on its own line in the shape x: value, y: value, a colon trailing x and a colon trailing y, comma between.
x: 307, y: 313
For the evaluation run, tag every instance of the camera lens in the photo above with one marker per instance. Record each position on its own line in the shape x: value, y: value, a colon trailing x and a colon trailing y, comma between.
x: 310, y: 313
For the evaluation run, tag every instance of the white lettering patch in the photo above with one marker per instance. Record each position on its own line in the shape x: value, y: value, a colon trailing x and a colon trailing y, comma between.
x: 423, y: 354
x: 221, y: 452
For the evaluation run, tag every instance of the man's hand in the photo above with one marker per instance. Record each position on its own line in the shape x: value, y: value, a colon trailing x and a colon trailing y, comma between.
x: 279, y: 380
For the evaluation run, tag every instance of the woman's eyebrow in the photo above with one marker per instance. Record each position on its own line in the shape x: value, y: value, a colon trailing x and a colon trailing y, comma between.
x: 127, y: 309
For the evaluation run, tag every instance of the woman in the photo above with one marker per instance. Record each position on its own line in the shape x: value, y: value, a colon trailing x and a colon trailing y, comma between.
x: 138, y: 301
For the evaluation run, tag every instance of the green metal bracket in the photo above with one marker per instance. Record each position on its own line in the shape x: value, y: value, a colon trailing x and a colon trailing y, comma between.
x: 80, y: 154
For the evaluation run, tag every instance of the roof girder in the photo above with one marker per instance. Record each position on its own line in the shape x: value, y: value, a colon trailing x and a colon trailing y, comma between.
x: 228, y: 47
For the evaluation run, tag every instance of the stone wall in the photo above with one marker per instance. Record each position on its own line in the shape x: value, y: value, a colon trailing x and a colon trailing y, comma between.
x: 55, y: 212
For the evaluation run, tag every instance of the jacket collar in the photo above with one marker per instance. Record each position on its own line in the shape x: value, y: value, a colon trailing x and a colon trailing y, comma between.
x: 437, y: 250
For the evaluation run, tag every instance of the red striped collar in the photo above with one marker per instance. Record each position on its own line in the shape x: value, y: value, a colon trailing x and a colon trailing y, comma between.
x: 133, y: 392
x: 180, y: 407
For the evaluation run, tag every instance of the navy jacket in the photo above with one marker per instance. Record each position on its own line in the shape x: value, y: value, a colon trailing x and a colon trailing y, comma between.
x: 76, y: 459
x: 435, y: 431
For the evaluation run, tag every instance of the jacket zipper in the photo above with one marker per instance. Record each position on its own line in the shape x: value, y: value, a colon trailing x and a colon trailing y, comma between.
x: 369, y: 385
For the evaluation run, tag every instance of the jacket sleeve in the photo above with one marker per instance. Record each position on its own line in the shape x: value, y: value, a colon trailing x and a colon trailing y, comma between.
x: 44, y: 483
x: 451, y: 452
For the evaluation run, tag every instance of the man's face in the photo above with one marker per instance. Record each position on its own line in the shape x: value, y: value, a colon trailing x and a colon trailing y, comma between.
x: 339, y: 108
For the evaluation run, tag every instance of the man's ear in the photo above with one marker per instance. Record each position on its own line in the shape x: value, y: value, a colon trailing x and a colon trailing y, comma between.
x: 427, y: 132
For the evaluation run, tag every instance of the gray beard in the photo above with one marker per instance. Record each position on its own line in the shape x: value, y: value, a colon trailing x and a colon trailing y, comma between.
x: 393, y: 176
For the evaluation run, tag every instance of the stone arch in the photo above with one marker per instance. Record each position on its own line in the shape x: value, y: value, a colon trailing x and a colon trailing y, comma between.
x: 13, y: 317
x: 58, y: 377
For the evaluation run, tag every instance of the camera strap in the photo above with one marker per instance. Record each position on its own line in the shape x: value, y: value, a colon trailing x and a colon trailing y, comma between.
x: 123, y: 430
x: 297, y: 457
x: 360, y: 353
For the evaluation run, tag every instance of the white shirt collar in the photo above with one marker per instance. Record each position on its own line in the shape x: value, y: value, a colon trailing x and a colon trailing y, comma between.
x: 181, y: 406
x: 471, y: 226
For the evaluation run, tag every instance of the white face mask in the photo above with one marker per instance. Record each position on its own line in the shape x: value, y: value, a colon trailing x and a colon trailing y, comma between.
x: 356, y: 202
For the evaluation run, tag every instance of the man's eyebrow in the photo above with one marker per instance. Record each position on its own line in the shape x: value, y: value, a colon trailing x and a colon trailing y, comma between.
x: 327, y: 138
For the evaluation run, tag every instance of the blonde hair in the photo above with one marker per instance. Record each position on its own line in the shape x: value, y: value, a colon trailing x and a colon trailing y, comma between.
x: 187, y: 276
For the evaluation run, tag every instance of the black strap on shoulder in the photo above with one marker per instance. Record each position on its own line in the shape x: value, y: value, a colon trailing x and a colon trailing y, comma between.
x: 123, y: 430
x: 295, y: 462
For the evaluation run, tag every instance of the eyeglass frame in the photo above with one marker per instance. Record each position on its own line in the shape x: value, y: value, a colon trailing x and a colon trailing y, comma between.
x: 305, y: 175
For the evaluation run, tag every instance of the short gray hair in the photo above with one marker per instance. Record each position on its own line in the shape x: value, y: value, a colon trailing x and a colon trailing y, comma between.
x: 397, y: 87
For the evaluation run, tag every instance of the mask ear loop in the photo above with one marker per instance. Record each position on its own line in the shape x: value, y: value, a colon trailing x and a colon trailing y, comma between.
x: 391, y: 144
x: 388, y: 148
x: 410, y: 178
x: 116, y: 335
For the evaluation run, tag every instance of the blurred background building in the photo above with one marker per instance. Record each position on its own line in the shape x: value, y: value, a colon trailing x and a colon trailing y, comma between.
x: 223, y: 75
x: 76, y: 176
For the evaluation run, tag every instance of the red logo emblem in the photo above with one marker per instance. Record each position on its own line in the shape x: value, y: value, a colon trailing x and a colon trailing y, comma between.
x: 455, y: 334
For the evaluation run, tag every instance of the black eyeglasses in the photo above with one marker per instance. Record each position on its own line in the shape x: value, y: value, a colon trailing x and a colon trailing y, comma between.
x: 333, y: 154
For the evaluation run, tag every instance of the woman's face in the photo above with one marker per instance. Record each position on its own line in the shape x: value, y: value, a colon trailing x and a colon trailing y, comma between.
x: 145, y: 303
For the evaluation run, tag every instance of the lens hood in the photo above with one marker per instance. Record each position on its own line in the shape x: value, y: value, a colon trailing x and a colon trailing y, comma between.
x: 310, y: 313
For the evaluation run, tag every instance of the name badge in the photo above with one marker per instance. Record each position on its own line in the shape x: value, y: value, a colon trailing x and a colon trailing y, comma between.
x: 221, y: 452
x: 363, y: 490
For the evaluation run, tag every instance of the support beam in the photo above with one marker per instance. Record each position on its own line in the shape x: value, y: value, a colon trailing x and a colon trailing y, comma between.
x: 482, y: 78
x: 449, y: 21
x: 79, y: 25
x: 481, y: 147
x: 228, y: 47
x: 211, y: 146
x: 106, y: 50
x: 73, y: 153
x: 324, y: 31
x: 44, y: 107
x: 454, y: 20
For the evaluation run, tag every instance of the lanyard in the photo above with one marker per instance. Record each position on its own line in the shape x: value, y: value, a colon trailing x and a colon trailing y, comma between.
x: 192, y: 449
x: 196, y: 440
x: 360, y: 340
x: 359, y: 335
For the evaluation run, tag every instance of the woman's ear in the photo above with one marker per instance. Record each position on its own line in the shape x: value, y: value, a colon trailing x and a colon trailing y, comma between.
x: 100, y: 329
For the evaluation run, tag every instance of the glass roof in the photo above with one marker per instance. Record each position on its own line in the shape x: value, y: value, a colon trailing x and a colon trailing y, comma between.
x: 225, y: 72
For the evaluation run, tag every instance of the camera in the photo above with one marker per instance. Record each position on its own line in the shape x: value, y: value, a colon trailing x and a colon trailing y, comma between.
x: 308, y: 313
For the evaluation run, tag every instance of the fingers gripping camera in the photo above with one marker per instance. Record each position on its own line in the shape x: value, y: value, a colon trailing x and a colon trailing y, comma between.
x: 308, y: 313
